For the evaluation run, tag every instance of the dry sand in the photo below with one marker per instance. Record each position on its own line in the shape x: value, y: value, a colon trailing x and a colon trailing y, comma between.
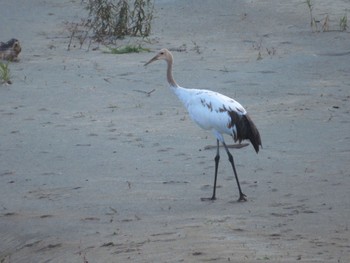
x: 91, y: 170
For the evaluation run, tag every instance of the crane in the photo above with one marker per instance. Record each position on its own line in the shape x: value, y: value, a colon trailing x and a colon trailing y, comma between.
x: 215, y: 112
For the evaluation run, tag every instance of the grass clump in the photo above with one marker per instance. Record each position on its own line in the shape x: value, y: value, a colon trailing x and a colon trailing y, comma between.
x: 325, y: 22
x: 119, y: 18
x: 5, y: 75
x: 110, y: 20
x: 343, y: 23
x: 127, y: 49
x: 312, y: 19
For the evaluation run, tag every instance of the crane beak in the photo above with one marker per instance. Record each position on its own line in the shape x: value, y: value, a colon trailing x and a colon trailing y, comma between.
x: 152, y: 60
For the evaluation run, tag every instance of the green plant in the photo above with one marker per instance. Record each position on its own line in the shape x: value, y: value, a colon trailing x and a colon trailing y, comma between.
x: 343, y: 23
x: 127, y: 49
x: 5, y: 74
x: 312, y: 19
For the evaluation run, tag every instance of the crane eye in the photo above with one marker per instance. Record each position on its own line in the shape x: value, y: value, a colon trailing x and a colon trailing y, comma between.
x: 162, y: 53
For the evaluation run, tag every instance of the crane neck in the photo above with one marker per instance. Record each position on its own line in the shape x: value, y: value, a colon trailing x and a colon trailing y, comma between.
x: 169, y: 74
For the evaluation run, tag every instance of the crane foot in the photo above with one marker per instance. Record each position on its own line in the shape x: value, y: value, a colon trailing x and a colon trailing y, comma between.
x: 242, y: 198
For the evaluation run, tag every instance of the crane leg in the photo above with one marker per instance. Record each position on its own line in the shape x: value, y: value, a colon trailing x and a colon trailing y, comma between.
x: 242, y: 197
x: 217, y: 159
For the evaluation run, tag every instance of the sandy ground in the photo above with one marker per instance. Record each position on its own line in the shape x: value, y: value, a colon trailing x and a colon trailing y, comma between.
x: 92, y: 170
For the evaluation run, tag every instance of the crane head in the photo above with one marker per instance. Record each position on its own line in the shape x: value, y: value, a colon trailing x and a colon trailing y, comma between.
x: 162, y: 54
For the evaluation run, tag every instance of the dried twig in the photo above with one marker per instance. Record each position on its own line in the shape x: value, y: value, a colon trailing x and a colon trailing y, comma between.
x: 72, y: 35
x: 148, y: 93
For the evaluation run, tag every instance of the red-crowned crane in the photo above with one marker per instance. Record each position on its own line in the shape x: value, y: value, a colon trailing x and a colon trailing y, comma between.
x: 216, y: 112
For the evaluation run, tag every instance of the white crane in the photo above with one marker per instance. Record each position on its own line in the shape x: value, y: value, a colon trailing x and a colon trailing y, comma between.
x: 216, y: 112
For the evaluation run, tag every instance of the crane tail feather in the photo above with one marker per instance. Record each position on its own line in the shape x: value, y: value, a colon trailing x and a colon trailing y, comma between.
x: 252, y: 133
x: 246, y: 129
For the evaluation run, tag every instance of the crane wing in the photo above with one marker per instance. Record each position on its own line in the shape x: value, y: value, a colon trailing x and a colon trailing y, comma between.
x: 210, y: 110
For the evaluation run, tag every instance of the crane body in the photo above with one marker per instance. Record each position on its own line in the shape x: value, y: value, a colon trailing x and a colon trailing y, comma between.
x: 215, y: 112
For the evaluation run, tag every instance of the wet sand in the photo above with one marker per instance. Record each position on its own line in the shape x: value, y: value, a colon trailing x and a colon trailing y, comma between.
x: 93, y: 170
